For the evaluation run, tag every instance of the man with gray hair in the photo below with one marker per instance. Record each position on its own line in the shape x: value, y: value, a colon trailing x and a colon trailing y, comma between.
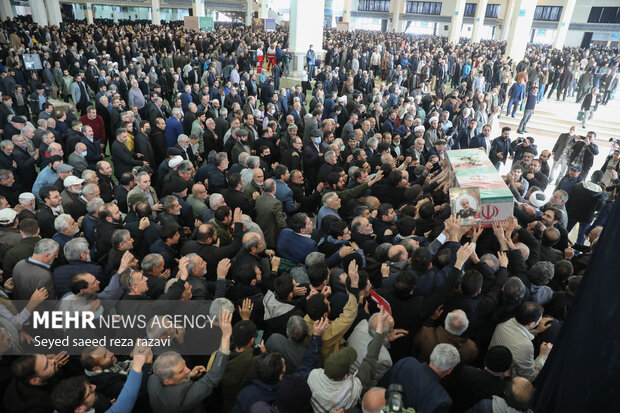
x: 216, y: 200
x: 455, y: 325
x: 173, y: 386
x: 77, y: 253
x: 292, y: 346
x: 174, y: 127
x: 331, y: 204
x: 361, y: 337
x: 34, y: 272
x: 269, y: 214
x: 77, y: 158
x: 421, y: 387
x: 66, y: 228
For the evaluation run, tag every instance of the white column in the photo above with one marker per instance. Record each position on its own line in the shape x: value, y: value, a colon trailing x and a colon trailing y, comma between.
x: 520, y: 27
x: 6, y: 10
x: 39, y: 14
x: 248, y: 12
x: 454, y: 34
x: 263, y: 9
x: 346, y: 12
x: 155, y: 14
x: 562, y: 30
x: 503, y: 36
x: 53, y: 12
x: 198, y: 8
x: 88, y: 12
x: 305, y: 29
x: 397, y: 8
x: 481, y: 10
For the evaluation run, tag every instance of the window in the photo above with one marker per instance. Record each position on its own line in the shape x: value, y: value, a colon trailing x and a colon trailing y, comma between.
x: 604, y: 15
x: 470, y: 10
x: 492, y: 11
x: 548, y: 13
x: 423, y: 7
x: 374, y: 5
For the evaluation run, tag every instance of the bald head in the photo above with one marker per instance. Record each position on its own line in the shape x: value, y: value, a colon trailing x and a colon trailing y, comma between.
x: 519, y: 393
x: 374, y: 400
x: 397, y: 253
x: 80, y: 147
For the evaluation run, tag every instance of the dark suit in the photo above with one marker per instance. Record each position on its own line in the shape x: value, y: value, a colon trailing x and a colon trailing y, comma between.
x: 311, y: 161
x: 123, y: 159
x: 270, y: 218
x: 237, y: 199
x: 466, y: 385
x: 46, y: 219
x: 26, y: 173
x: 422, y: 389
x: 94, y: 153
x: 142, y: 145
x: 189, y: 155
x: 106, y: 187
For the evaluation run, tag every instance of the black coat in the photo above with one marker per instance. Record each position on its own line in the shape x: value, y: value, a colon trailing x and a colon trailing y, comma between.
x: 46, y: 221
x: 123, y: 159
x: 466, y: 385
x: 142, y: 145
x: 106, y: 187
x: 237, y: 199
x: 26, y: 173
x: 94, y: 153
x: 588, y: 157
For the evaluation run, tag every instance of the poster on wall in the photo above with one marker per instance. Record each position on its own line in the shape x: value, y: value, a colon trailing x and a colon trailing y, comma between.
x: 206, y: 24
x: 270, y: 25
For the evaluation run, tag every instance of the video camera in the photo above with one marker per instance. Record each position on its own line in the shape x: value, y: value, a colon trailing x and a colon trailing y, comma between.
x: 394, y: 400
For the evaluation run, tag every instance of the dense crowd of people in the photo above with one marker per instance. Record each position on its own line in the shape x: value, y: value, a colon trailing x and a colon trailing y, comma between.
x: 152, y: 163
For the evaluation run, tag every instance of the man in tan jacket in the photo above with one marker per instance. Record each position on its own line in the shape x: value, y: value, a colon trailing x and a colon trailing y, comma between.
x: 318, y: 306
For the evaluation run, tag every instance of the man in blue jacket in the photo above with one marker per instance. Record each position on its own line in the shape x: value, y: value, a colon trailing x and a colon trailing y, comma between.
x: 515, y: 95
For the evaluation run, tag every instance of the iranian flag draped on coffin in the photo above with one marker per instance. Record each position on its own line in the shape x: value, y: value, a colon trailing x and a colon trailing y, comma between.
x: 472, y: 168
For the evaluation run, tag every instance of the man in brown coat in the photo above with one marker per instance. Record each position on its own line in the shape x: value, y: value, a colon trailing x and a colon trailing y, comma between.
x: 456, y: 324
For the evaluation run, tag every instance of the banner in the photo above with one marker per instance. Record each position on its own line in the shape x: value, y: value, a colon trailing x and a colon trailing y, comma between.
x: 206, y: 24
x: 342, y: 26
x: 270, y: 25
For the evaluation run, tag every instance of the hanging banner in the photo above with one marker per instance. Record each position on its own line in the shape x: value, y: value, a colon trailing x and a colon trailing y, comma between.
x: 206, y: 24
x: 342, y: 26
x: 270, y: 25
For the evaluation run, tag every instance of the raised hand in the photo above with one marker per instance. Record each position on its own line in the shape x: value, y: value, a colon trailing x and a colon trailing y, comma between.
x: 245, y: 310
x: 222, y: 268
x: 320, y: 326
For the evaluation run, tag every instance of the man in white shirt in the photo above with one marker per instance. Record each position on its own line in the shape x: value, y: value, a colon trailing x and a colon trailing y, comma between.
x: 517, y: 333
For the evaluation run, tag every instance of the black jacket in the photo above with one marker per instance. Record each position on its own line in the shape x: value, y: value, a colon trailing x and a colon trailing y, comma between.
x: 410, y: 311
x: 106, y: 187
x: 46, y: 221
x: 123, y: 159
x: 26, y: 173
x: 588, y: 157
x: 142, y: 145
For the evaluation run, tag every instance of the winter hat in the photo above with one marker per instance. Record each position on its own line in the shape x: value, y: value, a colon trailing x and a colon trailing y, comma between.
x: 498, y: 359
x: 337, y: 365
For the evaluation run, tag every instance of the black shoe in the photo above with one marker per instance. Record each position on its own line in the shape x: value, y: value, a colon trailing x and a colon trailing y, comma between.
x: 524, y: 131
